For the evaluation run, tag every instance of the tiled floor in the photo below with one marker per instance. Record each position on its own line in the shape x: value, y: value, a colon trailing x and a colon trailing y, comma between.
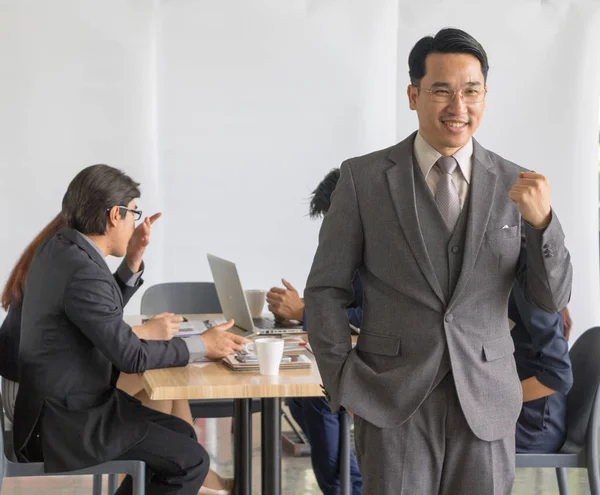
x: 298, y: 478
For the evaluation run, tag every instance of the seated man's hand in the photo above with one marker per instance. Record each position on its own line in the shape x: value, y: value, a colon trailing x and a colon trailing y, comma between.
x: 220, y: 343
x: 138, y: 242
x: 285, y: 304
x: 160, y: 327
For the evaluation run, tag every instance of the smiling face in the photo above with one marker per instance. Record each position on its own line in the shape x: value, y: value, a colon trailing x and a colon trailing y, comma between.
x: 448, y: 126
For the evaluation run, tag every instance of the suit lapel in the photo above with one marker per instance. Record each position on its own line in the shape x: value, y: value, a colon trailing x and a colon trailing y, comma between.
x: 483, y: 185
x: 402, y: 189
x: 76, y: 238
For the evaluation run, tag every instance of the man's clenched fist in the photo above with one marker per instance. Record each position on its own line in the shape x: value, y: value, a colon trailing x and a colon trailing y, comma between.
x: 531, y: 193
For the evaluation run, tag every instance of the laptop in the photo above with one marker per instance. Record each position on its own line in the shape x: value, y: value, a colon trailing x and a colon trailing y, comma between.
x: 234, y: 305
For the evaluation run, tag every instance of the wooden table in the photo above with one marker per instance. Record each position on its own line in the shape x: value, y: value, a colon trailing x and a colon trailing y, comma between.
x: 215, y: 381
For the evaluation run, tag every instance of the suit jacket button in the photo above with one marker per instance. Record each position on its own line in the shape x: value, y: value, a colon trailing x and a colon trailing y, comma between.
x: 455, y: 249
x: 449, y: 318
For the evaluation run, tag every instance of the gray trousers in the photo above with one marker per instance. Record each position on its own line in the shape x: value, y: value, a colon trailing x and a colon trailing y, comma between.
x: 433, y: 452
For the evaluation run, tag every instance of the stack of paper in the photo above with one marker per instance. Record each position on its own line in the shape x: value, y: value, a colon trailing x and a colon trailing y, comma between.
x: 297, y: 361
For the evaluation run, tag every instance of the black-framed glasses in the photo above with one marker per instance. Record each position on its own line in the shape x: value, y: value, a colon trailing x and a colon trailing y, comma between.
x: 446, y: 95
x: 137, y: 214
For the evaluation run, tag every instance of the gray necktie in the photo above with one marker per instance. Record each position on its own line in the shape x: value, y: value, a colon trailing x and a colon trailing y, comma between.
x: 446, y: 195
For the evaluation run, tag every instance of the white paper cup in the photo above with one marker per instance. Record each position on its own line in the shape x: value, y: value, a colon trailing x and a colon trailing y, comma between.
x: 269, y: 351
x: 256, y: 301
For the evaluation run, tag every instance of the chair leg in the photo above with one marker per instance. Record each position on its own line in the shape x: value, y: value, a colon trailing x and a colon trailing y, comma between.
x: 97, y: 487
x: 344, y: 452
x: 561, y: 476
x: 594, y: 477
x: 139, y: 480
x: 113, y: 483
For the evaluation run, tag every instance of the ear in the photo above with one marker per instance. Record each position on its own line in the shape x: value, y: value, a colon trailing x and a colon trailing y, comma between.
x: 412, y: 93
x: 114, y: 215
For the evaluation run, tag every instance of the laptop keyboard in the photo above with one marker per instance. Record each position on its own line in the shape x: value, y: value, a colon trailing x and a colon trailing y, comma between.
x: 266, y: 323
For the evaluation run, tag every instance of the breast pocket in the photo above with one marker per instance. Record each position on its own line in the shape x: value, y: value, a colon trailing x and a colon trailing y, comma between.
x: 502, y: 233
x: 505, y: 243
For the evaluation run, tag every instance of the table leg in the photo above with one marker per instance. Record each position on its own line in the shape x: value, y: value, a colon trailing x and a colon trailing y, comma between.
x: 242, y: 446
x: 344, y: 443
x: 271, y: 446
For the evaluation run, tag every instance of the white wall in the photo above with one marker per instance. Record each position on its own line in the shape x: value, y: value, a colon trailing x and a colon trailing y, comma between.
x: 75, y: 86
x: 230, y: 113
x: 256, y: 102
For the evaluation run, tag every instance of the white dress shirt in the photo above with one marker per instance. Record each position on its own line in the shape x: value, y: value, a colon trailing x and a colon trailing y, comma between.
x: 427, y: 156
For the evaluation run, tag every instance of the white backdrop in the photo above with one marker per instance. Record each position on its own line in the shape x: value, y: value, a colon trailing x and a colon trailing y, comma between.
x: 230, y: 112
x: 256, y: 102
x: 76, y: 88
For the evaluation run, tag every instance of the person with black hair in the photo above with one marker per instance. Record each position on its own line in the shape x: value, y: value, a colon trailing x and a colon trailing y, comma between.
x: 439, y: 229
x: 74, y: 343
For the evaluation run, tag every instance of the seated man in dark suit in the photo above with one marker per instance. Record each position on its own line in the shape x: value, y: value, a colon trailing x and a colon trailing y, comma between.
x: 74, y: 343
x: 544, y: 368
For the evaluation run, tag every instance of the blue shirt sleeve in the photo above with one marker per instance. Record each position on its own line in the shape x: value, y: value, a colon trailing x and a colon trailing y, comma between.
x: 548, y: 344
x: 354, y: 316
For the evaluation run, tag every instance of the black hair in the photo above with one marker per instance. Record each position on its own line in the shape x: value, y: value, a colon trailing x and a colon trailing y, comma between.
x: 92, y: 192
x: 449, y: 40
x: 321, y: 196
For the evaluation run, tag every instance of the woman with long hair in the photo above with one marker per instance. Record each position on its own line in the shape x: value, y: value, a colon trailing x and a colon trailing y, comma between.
x: 12, y: 298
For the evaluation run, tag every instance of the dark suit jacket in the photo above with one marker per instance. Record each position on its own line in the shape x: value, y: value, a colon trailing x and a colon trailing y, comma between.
x: 9, y: 343
x: 74, y: 343
x: 541, y: 351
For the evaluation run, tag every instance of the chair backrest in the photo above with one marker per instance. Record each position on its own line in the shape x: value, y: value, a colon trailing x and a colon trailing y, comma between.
x: 9, y: 396
x: 583, y: 404
x: 181, y: 298
x: 3, y: 460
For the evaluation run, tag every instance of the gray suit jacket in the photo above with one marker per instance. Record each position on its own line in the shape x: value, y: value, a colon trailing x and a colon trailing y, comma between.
x: 372, y: 226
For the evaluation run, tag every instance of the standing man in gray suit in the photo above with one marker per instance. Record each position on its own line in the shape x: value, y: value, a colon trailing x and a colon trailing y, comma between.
x: 439, y: 229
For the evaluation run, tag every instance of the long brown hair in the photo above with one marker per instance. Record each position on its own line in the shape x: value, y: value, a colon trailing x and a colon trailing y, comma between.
x: 15, y: 285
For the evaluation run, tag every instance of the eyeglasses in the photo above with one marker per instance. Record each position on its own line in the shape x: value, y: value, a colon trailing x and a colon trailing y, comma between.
x: 137, y: 214
x: 445, y: 95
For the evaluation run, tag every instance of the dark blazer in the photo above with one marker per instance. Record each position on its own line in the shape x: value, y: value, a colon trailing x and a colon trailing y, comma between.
x: 541, y: 351
x: 74, y: 343
x: 9, y: 343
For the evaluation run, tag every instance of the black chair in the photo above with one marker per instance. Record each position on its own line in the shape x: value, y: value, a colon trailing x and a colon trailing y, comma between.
x: 191, y: 298
x: 181, y: 298
x: 9, y: 468
x: 580, y: 449
x: 9, y: 396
